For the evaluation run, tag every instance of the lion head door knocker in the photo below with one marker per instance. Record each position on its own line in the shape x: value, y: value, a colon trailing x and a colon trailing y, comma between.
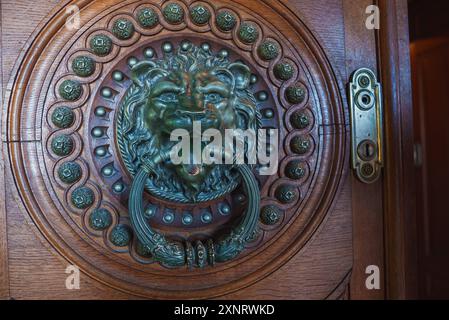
x: 189, y: 91
x: 114, y: 105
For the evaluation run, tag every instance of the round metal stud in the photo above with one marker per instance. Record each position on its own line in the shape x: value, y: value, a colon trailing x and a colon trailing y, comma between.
x: 69, y: 172
x: 223, y: 53
x: 187, y: 218
x: 150, y: 211
x: 97, y: 132
x: 262, y: 96
x: 205, y: 46
x: 168, y: 218
x: 268, y: 113
x: 70, y: 90
x: 120, y: 236
x: 82, y: 197
x: 270, y: 215
x: 101, y: 44
x: 367, y: 170
x: 100, y: 219
x: 186, y: 45
x: 118, y: 76
x: 101, y: 151
x: 299, y: 120
x: 300, y: 144
x: 118, y: 187
x: 62, y: 145
x: 107, y: 171
x: 248, y: 32
x: 295, y: 94
x: 149, y: 53
x: 240, y: 198
x: 206, y: 217
x: 132, y: 61
x: 364, y: 81
x: 253, y: 79
x: 167, y: 47
x: 295, y: 170
x: 147, y: 18
x: 286, y: 194
x: 100, y: 111
x: 283, y: 71
x: 268, y: 50
x: 173, y: 13
x: 226, y: 20
x: 106, y: 92
x: 224, y: 209
x: 83, y: 66
x: 123, y: 29
x: 200, y: 14
x: 63, y: 117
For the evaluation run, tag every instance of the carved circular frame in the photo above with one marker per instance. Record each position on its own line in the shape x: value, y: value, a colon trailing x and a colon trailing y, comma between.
x: 31, y: 80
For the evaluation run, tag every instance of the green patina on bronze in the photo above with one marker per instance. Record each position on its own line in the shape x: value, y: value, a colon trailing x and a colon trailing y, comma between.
x: 62, y: 145
x: 283, y: 71
x: 299, y: 120
x: 178, y: 85
x: 286, y: 194
x: 295, y: 170
x: 70, y: 90
x: 254, y: 235
x: 101, y: 44
x: 83, y: 66
x: 100, y: 219
x: 268, y: 50
x: 189, y: 84
x: 69, y: 172
x: 142, y: 250
x: 226, y: 20
x: 300, y: 144
x: 123, y: 29
x: 121, y: 235
x: 63, y: 117
x: 248, y: 32
x: 173, y: 13
x: 147, y: 18
x: 82, y: 197
x: 295, y: 94
x: 270, y: 215
x: 200, y: 14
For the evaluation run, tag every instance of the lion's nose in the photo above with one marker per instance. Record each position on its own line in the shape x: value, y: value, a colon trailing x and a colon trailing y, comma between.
x: 194, y: 116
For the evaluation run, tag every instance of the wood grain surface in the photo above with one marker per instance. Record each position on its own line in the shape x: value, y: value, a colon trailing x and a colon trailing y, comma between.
x: 337, y: 251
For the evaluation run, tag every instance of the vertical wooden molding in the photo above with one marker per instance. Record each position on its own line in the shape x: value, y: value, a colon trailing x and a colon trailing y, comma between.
x: 4, y: 271
x: 367, y: 209
x: 399, y: 210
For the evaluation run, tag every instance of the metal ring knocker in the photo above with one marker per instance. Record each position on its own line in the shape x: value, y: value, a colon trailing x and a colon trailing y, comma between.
x: 175, y: 254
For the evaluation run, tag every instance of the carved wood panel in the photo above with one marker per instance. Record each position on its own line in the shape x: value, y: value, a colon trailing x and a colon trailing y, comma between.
x: 67, y: 97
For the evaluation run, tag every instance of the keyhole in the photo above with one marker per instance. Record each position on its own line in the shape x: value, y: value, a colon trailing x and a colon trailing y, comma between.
x: 367, y: 150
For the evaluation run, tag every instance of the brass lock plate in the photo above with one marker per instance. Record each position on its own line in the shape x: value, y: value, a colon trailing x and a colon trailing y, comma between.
x: 365, y: 101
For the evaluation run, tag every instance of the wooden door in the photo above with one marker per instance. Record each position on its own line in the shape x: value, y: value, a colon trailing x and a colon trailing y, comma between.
x: 67, y: 72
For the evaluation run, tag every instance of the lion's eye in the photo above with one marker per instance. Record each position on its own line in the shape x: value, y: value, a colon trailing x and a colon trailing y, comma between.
x: 168, y: 97
x: 213, y: 97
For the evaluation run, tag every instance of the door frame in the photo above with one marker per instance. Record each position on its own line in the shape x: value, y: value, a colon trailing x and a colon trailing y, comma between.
x: 400, y: 248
